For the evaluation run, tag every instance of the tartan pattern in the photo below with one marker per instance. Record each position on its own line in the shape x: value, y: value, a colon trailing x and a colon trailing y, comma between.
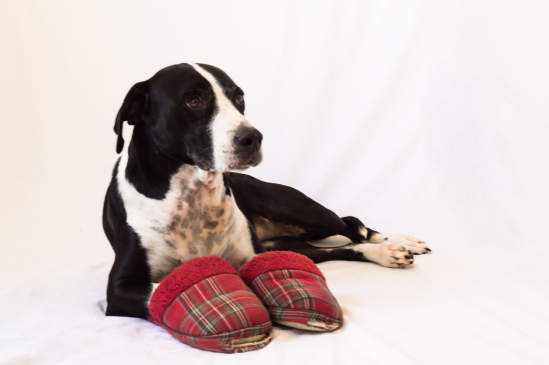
x: 216, y: 311
x: 298, y: 296
x: 224, y: 342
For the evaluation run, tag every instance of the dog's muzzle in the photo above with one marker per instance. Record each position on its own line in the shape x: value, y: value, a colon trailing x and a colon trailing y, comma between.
x: 247, y: 146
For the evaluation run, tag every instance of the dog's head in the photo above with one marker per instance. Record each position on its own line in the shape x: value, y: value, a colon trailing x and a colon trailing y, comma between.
x: 193, y: 113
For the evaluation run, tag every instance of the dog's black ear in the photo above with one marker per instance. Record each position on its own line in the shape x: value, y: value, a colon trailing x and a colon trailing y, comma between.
x: 132, y: 110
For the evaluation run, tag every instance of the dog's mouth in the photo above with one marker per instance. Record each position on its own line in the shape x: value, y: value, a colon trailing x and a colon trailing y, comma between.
x: 242, y: 162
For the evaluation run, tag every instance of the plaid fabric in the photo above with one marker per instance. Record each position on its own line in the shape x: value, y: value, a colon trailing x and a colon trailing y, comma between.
x: 299, y: 299
x: 218, y: 313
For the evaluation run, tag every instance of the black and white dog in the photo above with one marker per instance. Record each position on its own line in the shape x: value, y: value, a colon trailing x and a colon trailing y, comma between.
x: 172, y: 197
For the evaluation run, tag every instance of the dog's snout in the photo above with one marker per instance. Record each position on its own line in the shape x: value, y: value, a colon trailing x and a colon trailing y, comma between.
x: 248, y: 138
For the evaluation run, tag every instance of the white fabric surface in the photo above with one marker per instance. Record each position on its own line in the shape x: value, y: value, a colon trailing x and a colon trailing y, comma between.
x: 424, y: 117
x: 448, y: 309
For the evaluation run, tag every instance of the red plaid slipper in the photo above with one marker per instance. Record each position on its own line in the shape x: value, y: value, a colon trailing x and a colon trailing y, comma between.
x: 205, y: 304
x: 294, y: 290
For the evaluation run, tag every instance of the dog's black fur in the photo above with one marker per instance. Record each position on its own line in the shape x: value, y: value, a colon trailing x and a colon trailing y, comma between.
x: 171, y: 114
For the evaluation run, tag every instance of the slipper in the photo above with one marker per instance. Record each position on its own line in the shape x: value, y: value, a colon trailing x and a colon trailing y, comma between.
x: 205, y: 304
x: 294, y: 291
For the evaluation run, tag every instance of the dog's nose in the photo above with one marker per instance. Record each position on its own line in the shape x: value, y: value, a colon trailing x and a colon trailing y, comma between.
x: 248, y: 138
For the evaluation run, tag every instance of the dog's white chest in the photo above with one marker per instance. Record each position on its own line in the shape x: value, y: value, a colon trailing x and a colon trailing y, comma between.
x: 196, y: 218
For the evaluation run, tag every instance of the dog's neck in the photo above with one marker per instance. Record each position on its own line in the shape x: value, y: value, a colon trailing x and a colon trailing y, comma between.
x: 150, y: 171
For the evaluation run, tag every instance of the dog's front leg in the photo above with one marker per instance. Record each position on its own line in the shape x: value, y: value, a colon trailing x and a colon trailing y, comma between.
x: 129, y: 284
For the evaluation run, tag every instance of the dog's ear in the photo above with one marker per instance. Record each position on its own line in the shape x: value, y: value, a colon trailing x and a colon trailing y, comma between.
x: 132, y: 110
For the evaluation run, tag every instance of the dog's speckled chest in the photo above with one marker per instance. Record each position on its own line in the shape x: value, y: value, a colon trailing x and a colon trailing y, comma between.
x: 196, y: 218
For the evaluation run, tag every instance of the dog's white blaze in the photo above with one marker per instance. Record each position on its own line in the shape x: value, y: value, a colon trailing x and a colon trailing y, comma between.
x: 143, y: 214
x: 223, y: 127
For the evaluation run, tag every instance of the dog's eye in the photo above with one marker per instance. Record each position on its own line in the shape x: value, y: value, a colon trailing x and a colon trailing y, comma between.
x: 239, y: 99
x: 194, y: 102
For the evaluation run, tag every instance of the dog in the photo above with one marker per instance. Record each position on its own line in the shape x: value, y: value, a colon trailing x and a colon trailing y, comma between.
x: 175, y: 193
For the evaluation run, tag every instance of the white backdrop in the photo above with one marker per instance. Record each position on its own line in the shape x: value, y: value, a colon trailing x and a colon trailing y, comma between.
x: 424, y: 117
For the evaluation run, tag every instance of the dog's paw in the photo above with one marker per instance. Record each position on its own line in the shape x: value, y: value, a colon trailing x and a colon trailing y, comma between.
x: 417, y: 246
x: 387, y: 254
